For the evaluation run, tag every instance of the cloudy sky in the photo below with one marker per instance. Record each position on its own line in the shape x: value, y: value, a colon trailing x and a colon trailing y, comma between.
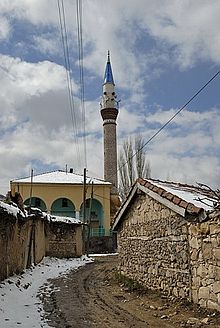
x: 162, y: 52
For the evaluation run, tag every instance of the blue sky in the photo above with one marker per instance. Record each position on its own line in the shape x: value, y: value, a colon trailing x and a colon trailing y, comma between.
x: 162, y: 52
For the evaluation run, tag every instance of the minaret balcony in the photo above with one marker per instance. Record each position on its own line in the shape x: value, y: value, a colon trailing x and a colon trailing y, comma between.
x: 109, y: 113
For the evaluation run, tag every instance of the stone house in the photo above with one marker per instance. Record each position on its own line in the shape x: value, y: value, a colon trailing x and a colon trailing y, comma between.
x: 169, y: 239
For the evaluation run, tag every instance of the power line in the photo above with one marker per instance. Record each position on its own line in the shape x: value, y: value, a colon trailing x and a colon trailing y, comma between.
x: 63, y: 29
x: 172, y: 117
x: 79, y: 17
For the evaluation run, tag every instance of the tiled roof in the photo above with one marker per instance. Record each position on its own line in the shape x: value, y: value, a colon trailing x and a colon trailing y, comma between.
x: 181, y: 198
x: 62, y: 177
x: 193, y: 199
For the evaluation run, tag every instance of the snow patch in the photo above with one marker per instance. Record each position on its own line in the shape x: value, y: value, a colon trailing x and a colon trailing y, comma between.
x: 11, y: 209
x: 19, y: 302
x: 64, y: 219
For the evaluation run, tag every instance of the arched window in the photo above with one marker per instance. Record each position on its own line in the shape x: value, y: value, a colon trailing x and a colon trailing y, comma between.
x: 36, y: 202
x: 94, y: 214
x: 63, y: 207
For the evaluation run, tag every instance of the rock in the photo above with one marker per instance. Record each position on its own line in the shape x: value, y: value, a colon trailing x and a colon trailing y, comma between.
x: 216, y: 253
x: 213, y: 305
x: 164, y: 316
x: 216, y: 287
x: 192, y: 321
x: 204, y: 292
x: 161, y: 308
x: 205, y: 321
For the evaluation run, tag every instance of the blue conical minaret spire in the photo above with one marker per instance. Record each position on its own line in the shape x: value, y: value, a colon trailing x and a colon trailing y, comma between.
x: 108, y: 77
x: 109, y: 113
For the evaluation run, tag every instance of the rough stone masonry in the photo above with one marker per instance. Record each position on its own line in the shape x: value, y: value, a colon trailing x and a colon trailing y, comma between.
x: 162, y: 250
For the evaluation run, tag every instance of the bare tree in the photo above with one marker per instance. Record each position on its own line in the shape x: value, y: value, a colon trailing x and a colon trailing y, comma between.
x: 143, y: 169
x: 132, y: 164
x: 210, y: 195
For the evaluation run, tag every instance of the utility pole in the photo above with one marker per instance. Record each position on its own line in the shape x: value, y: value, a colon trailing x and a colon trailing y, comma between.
x: 84, y: 209
x: 31, y: 189
x: 32, y: 234
x: 89, y: 223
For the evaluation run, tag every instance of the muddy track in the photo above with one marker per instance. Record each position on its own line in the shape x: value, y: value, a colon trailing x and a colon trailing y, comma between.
x: 90, y: 297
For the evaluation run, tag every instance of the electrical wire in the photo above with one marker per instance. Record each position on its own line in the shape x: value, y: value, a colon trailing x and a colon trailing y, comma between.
x: 171, y: 119
x: 64, y: 38
x: 79, y: 17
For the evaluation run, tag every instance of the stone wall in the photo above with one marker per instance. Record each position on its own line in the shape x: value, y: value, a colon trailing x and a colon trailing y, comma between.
x: 63, y: 240
x: 25, y: 240
x: 100, y: 245
x: 21, y: 243
x: 204, y: 240
x: 163, y: 251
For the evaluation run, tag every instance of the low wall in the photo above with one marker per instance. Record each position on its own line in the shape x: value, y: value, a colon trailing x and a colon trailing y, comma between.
x: 63, y: 240
x: 161, y: 250
x: 204, y: 240
x: 104, y: 244
x: 25, y: 240
x: 22, y: 242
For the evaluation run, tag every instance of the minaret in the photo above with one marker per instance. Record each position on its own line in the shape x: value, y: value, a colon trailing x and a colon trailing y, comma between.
x: 109, y: 113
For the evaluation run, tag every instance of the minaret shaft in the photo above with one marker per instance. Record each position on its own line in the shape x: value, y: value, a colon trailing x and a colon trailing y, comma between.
x: 110, y: 154
x: 109, y: 113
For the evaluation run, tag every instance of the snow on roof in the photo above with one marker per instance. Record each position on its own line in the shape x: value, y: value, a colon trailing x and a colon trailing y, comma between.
x: 64, y: 219
x: 61, y: 177
x: 11, y: 209
x: 199, y: 197
x: 181, y: 198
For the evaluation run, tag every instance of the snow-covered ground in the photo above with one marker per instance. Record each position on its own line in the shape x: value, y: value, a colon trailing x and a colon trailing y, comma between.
x: 19, y: 303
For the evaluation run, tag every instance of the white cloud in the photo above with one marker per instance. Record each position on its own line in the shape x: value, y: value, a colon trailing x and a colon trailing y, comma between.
x: 129, y: 122
x: 185, y: 117
x: 130, y: 25
x: 5, y: 28
x: 33, y: 91
x: 35, y: 120
x: 35, y: 11
x: 191, y: 170
x: 48, y: 43
x: 186, y: 152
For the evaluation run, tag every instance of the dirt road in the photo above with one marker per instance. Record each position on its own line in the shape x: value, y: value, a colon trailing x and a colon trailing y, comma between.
x: 92, y: 297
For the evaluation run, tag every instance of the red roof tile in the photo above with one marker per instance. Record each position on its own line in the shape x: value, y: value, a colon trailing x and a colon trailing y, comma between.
x: 174, y: 192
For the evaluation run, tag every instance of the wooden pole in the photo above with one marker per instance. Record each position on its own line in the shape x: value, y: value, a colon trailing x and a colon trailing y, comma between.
x: 84, y: 209
x: 31, y: 190
x: 32, y: 232
x: 89, y: 223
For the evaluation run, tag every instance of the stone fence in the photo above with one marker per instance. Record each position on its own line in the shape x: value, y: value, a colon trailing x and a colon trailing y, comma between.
x: 204, y: 247
x: 63, y: 240
x: 22, y: 241
x: 26, y: 239
x: 162, y: 250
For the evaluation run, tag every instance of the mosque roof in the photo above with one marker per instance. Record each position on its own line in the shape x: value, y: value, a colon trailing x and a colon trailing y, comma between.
x: 61, y: 177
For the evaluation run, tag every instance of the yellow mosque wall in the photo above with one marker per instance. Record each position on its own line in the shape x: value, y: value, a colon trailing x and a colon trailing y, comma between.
x: 49, y: 192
